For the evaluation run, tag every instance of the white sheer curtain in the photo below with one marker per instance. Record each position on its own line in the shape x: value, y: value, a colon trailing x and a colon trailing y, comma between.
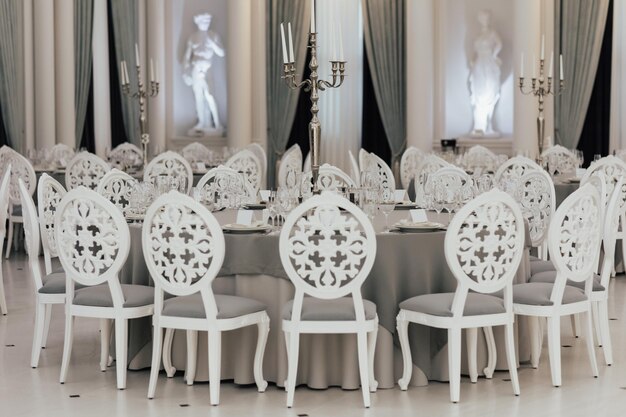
x: 341, y: 109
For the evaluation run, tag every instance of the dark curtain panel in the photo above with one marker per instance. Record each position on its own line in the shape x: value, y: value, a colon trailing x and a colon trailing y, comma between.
x: 118, y: 132
x: 594, y: 138
x: 374, y: 138
x: 4, y: 140
x: 300, y: 128
x: 88, y: 140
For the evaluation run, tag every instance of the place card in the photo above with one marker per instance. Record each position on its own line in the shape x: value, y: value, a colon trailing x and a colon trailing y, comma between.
x: 399, y: 195
x: 418, y: 215
x: 265, y: 195
x: 244, y: 217
x: 200, y: 166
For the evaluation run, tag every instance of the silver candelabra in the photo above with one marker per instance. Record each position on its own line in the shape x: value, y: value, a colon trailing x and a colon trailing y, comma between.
x: 540, y: 88
x: 141, y: 94
x: 314, y: 85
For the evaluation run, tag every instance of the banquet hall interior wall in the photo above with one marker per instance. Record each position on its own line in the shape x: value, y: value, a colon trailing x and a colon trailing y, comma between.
x: 439, y: 47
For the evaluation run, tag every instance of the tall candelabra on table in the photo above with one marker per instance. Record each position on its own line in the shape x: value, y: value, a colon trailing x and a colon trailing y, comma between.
x: 313, y: 84
x: 541, y: 87
x: 141, y: 95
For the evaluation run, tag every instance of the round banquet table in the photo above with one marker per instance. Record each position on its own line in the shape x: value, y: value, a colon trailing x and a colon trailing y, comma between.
x: 406, y: 265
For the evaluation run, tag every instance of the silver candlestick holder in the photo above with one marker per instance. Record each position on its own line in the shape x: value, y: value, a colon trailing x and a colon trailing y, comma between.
x: 540, y: 88
x: 141, y: 94
x: 314, y: 85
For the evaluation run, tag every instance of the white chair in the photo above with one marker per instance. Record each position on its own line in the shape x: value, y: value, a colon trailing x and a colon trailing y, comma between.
x: 85, y: 169
x: 117, y: 187
x: 93, y: 242
x: 290, y: 165
x: 363, y: 159
x: 454, y: 180
x: 60, y: 154
x: 187, y: 271
x: 223, y: 181
x: 385, y: 175
x: 411, y: 160
x: 600, y: 286
x: 573, y: 243
x: 21, y: 168
x: 308, y: 249
x: 4, y: 206
x: 49, y: 288
x: 169, y: 164
x: 558, y: 159
x: 49, y: 195
x: 536, y: 197
x: 259, y: 152
x: 514, y: 169
x: 430, y: 164
x: 196, y: 152
x: 127, y: 153
x: 355, y: 173
x: 249, y: 165
x: 492, y: 225
x: 479, y: 160
x: 330, y: 178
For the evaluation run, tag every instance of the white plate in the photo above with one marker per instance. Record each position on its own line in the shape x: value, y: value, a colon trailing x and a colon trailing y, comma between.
x: 420, y: 227
x: 240, y: 228
x: 573, y: 180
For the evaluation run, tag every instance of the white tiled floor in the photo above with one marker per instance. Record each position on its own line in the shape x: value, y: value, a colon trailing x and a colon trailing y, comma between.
x: 37, y: 392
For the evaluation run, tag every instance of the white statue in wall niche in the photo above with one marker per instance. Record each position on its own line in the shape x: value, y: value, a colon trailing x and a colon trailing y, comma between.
x: 202, y: 47
x: 484, y: 80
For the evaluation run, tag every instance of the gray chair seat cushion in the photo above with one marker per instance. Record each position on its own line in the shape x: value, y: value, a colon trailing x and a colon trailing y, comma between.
x: 340, y: 309
x: 534, y: 258
x: 550, y: 277
x: 100, y: 296
x: 541, y: 266
x: 441, y: 304
x: 228, y: 306
x: 538, y: 294
x: 53, y: 283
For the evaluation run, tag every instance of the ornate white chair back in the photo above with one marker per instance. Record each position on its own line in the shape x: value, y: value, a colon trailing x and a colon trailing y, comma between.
x: 49, y: 195
x: 85, y: 169
x: 169, y: 164
x: 536, y: 197
x: 117, y: 187
x: 411, y: 160
x: 249, y: 165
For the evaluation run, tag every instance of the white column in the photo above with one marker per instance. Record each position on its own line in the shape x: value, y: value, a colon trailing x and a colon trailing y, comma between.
x: 527, y: 39
x: 420, y: 61
x: 29, y: 78
x: 617, y: 133
x: 156, y: 51
x: 45, y: 129
x: 239, y: 56
x: 101, y: 83
x: 64, y: 72
x: 259, y: 85
x: 547, y: 25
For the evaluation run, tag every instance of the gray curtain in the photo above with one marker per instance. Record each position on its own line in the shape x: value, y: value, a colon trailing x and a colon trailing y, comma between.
x: 282, y: 101
x: 384, y: 28
x: 83, y: 25
x: 580, y: 24
x: 12, y: 71
x: 124, y: 15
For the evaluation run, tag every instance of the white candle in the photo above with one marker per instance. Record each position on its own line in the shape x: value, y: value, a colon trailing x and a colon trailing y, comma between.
x: 551, y: 65
x: 152, y: 71
x: 156, y: 74
x: 534, y: 66
x: 312, y: 16
x: 561, y: 66
x: 340, y: 44
x: 543, y: 46
x: 282, y: 37
x: 291, y: 56
x: 521, y: 67
x: 126, y: 78
x: 136, y: 55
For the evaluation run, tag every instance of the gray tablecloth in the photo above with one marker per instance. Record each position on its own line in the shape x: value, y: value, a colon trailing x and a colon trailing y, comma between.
x: 406, y: 265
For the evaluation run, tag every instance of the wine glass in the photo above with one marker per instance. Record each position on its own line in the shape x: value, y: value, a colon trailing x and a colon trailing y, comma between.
x: 386, y: 205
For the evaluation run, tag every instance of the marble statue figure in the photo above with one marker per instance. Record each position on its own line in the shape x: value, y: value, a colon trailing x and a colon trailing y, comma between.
x: 484, y: 80
x: 202, y: 47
